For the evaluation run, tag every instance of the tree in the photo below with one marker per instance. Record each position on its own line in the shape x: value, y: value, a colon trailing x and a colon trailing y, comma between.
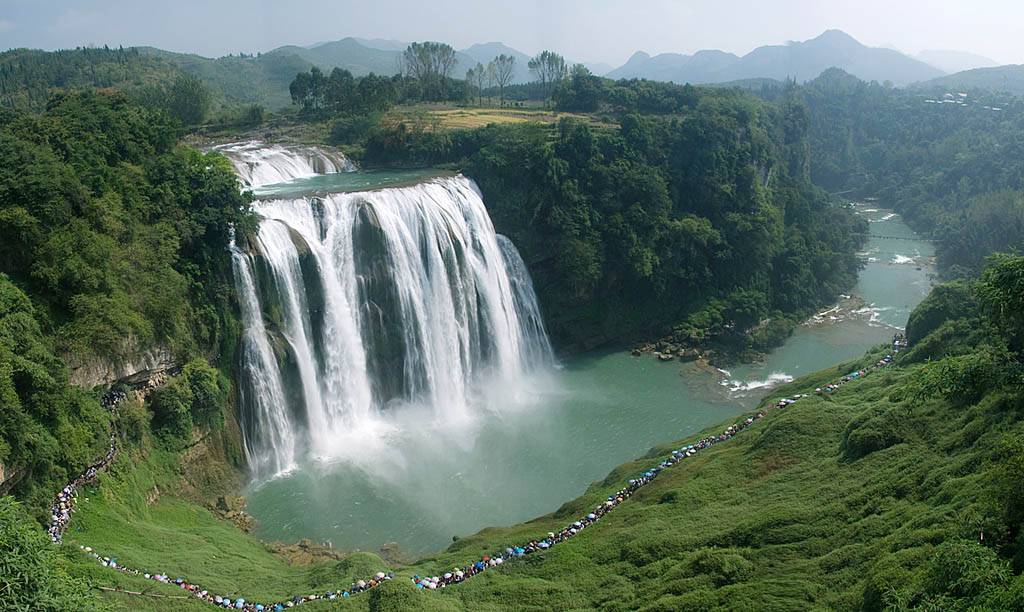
x: 340, y: 89
x: 504, y: 65
x: 478, y: 77
x: 32, y: 576
x: 492, y: 79
x: 430, y: 63
x: 581, y: 92
x: 300, y: 89
x: 1002, y: 295
x: 549, y: 68
x: 471, y: 79
x: 188, y: 100
x: 309, y: 89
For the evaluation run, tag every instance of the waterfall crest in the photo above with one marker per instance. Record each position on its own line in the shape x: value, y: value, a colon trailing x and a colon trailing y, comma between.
x: 258, y: 164
x: 359, y: 303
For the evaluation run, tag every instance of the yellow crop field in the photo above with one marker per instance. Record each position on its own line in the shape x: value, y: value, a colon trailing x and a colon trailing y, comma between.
x: 459, y: 119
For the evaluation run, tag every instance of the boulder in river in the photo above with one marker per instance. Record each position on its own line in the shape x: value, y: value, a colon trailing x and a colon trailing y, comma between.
x: 689, y: 354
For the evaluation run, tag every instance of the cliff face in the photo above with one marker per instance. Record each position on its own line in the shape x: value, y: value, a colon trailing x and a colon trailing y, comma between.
x: 10, y: 476
x: 133, y: 366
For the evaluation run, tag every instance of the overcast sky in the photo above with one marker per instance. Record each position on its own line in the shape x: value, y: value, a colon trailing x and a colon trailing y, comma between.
x: 588, y: 30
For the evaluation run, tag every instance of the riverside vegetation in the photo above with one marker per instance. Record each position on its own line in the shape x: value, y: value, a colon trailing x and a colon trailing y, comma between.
x: 111, y: 230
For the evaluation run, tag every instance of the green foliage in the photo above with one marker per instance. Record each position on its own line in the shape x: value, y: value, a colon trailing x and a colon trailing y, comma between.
x: 945, y: 302
x: 115, y: 243
x: 668, y: 221
x: 1006, y: 475
x: 47, y: 428
x: 187, y: 100
x: 874, y: 429
x: 549, y: 69
x: 950, y: 169
x: 984, y: 328
x: 116, y: 233
x: 29, y: 78
x: 32, y: 575
x: 195, y: 398
x: 430, y: 63
x: 963, y: 378
x: 582, y: 92
x: 347, y: 97
x: 1002, y: 293
x: 353, y: 128
x: 960, y: 574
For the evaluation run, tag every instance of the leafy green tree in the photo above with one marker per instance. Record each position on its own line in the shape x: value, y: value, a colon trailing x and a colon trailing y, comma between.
x: 582, y: 92
x: 32, y: 576
x: 549, y: 69
x: 430, y: 63
x: 188, y: 100
x: 504, y: 68
x: 1002, y: 293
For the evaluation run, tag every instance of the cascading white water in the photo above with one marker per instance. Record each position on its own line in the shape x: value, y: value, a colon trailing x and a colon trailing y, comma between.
x: 374, y: 301
x: 258, y: 164
x: 267, y: 429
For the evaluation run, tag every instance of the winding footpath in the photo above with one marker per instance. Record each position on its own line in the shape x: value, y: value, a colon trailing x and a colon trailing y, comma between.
x: 65, y: 504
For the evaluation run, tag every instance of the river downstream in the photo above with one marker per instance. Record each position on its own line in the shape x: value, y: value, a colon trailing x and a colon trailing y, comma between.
x: 525, y: 449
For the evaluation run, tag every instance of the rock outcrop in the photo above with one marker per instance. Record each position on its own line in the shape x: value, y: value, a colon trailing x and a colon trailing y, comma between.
x: 136, y: 365
x: 304, y: 553
x: 230, y: 508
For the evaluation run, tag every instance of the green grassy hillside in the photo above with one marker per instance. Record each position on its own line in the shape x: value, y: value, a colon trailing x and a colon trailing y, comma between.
x: 895, y: 491
x: 838, y: 502
x: 262, y: 79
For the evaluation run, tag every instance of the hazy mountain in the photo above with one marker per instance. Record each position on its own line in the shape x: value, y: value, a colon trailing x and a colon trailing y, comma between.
x: 262, y: 79
x: 380, y: 43
x: 363, y: 56
x: 599, y: 68
x: 795, y: 60
x: 955, y: 61
x: 347, y: 53
x: 486, y: 52
x: 701, y: 67
x: 1008, y: 79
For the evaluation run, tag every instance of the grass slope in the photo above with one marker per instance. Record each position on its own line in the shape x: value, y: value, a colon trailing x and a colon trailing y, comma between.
x: 824, y: 505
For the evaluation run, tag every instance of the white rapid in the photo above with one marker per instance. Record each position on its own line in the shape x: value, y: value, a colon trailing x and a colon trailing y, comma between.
x: 358, y: 304
x: 258, y: 164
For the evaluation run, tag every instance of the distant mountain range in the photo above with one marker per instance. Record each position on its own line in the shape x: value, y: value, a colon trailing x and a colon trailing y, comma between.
x: 955, y: 61
x: 1002, y: 79
x: 801, y: 61
x: 265, y: 77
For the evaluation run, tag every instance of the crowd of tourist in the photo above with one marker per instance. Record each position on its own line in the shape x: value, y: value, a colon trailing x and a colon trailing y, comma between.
x: 65, y: 504
x: 67, y: 500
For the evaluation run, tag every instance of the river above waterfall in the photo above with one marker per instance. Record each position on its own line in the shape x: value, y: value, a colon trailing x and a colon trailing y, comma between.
x: 524, y: 447
x: 364, y: 180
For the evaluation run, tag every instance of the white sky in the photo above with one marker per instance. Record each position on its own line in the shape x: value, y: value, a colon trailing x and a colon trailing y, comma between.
x: 589, y: 30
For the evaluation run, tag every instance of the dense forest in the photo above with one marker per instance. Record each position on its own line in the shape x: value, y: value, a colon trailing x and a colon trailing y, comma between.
x: 28, y: 77
x: 698, y: 220
x: 952, y: 163
x: 112, y: 239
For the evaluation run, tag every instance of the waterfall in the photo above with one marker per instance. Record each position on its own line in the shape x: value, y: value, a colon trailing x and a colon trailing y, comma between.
x: 357, y: 304
x: 258, y: 165
x: 269, y: 437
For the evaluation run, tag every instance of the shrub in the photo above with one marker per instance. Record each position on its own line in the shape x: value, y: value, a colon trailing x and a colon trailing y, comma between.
x: 31, y: 578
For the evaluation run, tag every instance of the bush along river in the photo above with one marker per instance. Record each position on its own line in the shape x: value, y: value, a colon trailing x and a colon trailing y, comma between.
x: 398, y: 384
